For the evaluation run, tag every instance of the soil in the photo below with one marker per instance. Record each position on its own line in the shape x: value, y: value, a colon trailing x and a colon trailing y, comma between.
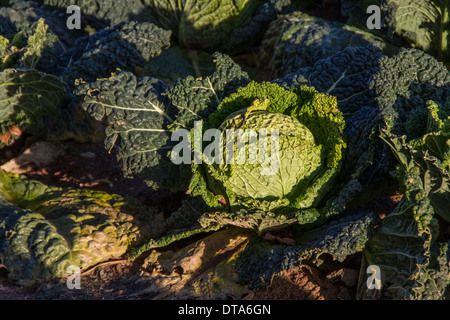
x: 307, y: 283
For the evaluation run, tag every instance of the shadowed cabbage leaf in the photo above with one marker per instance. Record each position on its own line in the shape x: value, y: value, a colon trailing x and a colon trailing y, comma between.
x: 44, y: 230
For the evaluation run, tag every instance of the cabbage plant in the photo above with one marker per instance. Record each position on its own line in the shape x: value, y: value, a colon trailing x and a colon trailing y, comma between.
x: 310, y: 148
x: 144, y: 114
x: 215, y: 25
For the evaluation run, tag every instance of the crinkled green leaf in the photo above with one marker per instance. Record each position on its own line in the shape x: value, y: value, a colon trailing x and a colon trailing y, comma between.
x: 215, y: 25
x: 104, y: 13
x: 401, y: 249
x: 197, y: 98
x: 46, y: 229
x: 138, y: 116
x: 347, y: 75
x: 28, y: 95
x: 424, y: 23
x: 142, y: 112
x: 299, y: 158
x: 125, y: 46
x: 418, y: 78
x: 18, y: 229
x: 298, y: 40
x: 429, y: 154
x: 372, y: 89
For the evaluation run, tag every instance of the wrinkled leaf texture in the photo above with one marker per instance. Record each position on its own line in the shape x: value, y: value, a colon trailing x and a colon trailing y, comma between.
x: 424, y: 23
x: 28, y: 95
x: 142, y: 112
x: 44, y: 230
x: 297, y: 40
x: 124, y: 46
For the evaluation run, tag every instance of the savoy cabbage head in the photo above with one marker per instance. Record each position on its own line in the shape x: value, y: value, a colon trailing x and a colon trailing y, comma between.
x: 310, y: 149
x: 44, y: 230
x: 422, y: 24
x: 224, y: 25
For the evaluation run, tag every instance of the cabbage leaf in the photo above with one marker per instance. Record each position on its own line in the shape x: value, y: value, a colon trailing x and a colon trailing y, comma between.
x: 423, y: 23
x: 44, y: 230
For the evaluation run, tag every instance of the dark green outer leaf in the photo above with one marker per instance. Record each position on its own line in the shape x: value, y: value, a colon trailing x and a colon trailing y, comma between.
x: 298, y: 40
x: 423, y: 23
x: 425, y: 149
x: 27, y: 95
x: 124, y: 47
x: 400, y: 248
x: 341, y: 238
x: 45, y: 229
x: 434, y: 177
x: 346, y: 75
x: 141, y: 116
x: 372, y: 89
x: 137, y: 115
x: 226, y: 25
x: 407, y: 80
x: 104, y: 13
x: 198, y: 98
